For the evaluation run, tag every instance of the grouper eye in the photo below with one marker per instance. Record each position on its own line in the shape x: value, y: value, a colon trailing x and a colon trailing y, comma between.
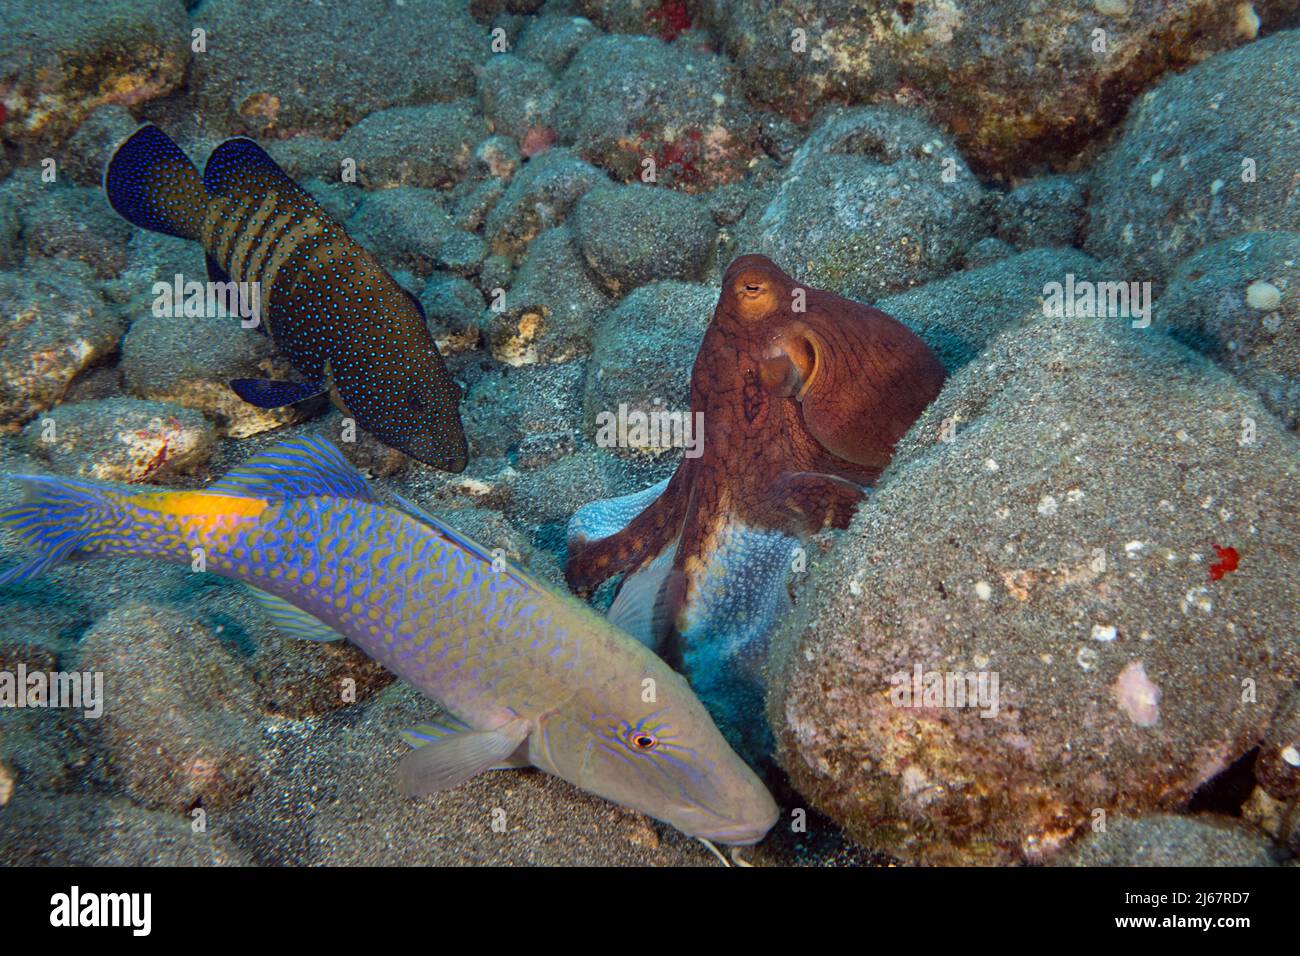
x: 641, y: 741
x: 416, y: 402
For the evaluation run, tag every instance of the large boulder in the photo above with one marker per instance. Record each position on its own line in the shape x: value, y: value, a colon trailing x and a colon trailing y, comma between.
x: 1238, y: 301
x: 874, y: 201
x: 1017, y: 84
x: 361, y: 56
x: 1204, y: 156
x: 625, y: 101
x: 58, y: 62
x: 56, y: 325
x: 1051, y: 522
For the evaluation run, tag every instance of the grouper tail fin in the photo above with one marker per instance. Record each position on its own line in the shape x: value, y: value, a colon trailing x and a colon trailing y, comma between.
x: 153, y: 185
x: 60, y: 517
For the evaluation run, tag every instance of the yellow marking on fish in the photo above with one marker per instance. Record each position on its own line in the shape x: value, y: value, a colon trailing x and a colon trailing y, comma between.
x: 252, y: 233
x: 199, y: 504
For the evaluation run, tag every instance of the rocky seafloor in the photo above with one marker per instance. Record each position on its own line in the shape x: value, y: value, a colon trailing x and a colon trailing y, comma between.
x: 1053, y: 517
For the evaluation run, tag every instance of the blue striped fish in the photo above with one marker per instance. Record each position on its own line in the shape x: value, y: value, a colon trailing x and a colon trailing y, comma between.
x: 342, y: 321
x: 525, y: 677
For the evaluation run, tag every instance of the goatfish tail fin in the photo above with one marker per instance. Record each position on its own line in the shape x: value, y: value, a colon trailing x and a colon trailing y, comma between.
x: 153, y: 185
x: 59, y: 517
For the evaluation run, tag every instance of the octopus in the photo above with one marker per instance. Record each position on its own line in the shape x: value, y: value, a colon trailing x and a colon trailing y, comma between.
x: 802, y: 396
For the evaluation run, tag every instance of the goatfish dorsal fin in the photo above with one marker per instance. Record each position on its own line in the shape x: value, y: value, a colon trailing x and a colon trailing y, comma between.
x: 462, y: 541
x: 293, y: 621
x: 240, y: 165
x: 298, y: 468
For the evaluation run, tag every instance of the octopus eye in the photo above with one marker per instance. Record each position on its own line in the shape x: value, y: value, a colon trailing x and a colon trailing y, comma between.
x: 642, y: 742
x: 753, y: 288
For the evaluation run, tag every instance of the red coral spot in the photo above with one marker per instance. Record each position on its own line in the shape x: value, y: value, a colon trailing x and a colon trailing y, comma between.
x: 538, y: 139
x: 1227, y: 562
x: 672, y: 17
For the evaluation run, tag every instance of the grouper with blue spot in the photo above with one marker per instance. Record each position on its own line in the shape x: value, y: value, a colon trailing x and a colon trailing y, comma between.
x: 527, y: 677
x: 342, y: 321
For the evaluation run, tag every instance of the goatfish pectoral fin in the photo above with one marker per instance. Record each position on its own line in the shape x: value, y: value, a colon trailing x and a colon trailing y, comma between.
x: 271, y: 393
x: 448, y: 761
x: 445, y: 725
x: 293, y: 621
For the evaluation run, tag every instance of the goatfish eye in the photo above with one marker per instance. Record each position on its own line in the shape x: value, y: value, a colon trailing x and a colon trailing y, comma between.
x: 641, y: 741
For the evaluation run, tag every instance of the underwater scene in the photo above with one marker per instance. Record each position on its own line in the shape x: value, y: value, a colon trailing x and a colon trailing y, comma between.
x: 649, y: 433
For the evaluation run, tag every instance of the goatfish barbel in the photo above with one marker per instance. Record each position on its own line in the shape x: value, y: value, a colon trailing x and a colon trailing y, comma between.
x: 532, y: 678
x: 342, y: 321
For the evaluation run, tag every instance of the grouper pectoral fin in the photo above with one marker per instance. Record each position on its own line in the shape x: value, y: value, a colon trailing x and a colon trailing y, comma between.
x: 272, y: 393
x: 293, y: 621
x: 298, y: 468
x: 450, y: 760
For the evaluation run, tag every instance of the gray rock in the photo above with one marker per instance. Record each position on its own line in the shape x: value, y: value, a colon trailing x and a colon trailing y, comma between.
x: 1017, y: 85
x: 168, y: 359
x: 46, y: 829
x: 625, y: 100
x: 91, y: 146
x: 1199, y: 162
x: 875, y: 200
x: 553, y: 40
x: 550, y: 309
x: 121, y: 439
x: 179, y: 726
x: 57, y: 326
x: 543, y: 401
x: 76, y: 223
x: 365, y: 56
x: 538, y: 198
x: 1062, y: 541
x: 957, y: 316
x: 470, y: 207
x: 63, y: 61
x: 452, y: 306
x: 643, y: 355
x: 516, y: 95
x: 430, y: 145
x: 1169, y: 840
x: 408, y: 228
x: 987, y: 251
x: 631, y: 235
x: 1048, y: 211
x: 1238, y: 301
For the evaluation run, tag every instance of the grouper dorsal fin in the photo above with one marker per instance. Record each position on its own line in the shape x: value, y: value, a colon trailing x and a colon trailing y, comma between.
x: 240, y: 165
x: 298, y: 468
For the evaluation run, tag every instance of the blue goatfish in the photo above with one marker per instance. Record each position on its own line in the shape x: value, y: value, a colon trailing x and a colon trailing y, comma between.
x: 531, y: 678
x: 332, y: 310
